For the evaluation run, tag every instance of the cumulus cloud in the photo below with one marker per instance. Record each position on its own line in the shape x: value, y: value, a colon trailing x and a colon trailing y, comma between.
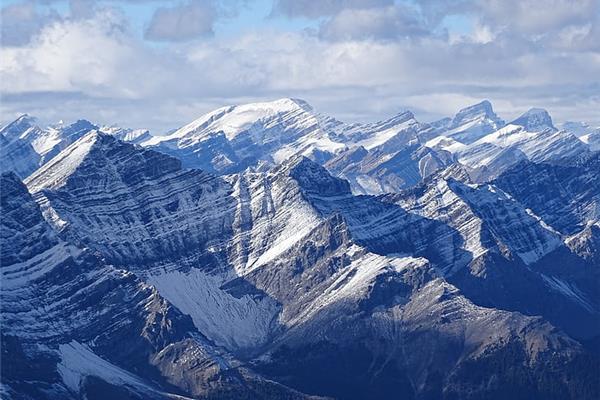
x: 182, y: 22
x: 95, y: 56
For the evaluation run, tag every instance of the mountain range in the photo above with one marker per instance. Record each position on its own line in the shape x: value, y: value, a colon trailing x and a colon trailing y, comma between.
x: 266, y: 251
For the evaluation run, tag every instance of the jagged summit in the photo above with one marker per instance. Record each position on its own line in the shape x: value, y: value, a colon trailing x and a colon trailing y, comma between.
x: 483, y: 108
x: 402, y: 116
x: 81, y: 125
x: 25, y: 119
x: 535, y: 120
x: 470, y: 123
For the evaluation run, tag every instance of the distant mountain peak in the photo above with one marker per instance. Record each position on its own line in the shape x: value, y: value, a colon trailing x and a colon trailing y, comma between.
x: 25, y: 118
x: 481, y: 109
x: 16, y: 128
x: 78, y: 127
x: 56, y: 172
x: 402, y: 116
x: 579, y: 128
x: 470, y: 123
x: 535, y: 119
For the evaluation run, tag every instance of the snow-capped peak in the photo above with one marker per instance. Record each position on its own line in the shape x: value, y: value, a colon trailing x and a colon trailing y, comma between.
x: 479, y: 110
x: 535, y: 120
x: 235, y: 119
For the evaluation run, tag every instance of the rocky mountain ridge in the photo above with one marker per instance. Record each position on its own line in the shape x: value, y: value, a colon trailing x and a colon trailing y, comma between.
x: 127, y: 273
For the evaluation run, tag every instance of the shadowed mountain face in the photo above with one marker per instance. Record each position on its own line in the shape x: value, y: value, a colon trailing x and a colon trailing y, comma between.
x: 126, y: 274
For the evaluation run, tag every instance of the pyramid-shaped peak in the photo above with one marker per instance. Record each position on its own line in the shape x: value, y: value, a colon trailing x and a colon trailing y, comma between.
x: 312, y: 177
x: 97, y: 155
x: 484, y: 106
x: 25, y: 118
x: 79, y: 126
x: 535, y: 119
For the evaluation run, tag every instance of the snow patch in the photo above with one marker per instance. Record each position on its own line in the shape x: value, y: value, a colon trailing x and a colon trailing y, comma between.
x: 79, y: 361
x: 234, y: 323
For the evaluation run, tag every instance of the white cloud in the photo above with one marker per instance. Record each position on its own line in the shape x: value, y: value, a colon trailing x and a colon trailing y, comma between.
x: 83, y: 55
x: 95, y: 67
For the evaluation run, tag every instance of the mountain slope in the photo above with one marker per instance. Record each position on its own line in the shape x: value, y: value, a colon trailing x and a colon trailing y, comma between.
x: 94, y: 329
x: 290, y: 271
x: 566, y: 197
x: 18, y: 156
x: 514, y: 254
x: 127, y: 274
x: 232, y: 138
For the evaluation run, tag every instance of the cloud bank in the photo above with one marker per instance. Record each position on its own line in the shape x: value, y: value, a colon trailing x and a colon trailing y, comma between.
x: 356, y: 60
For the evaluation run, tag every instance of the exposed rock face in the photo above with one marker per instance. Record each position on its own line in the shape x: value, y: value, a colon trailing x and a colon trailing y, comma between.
x: 232, y: 138
x: 17, y: 156
x: 92, y: 329
x: 128, y: 274
x: 100, y: 182
x: 534, y: 120
x: 408, y: 294
x: 565, y: 197
x: 517, y: 260
x: 387, y: 170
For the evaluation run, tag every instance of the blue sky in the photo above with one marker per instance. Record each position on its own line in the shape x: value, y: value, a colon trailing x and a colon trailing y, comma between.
x: 160, y: 64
